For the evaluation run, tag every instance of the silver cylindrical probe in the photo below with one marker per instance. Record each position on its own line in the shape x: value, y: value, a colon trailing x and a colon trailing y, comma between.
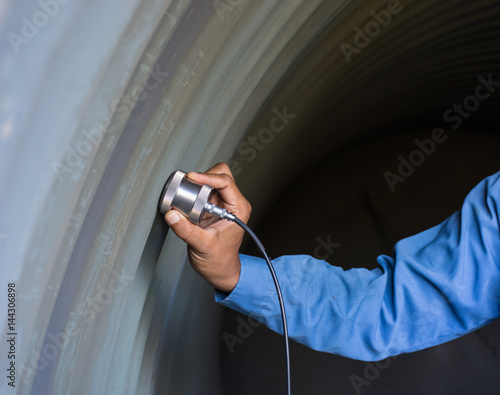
x: 190, y: 198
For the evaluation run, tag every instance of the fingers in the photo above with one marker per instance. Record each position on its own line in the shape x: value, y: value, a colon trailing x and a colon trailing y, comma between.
x: 193, y: 235
x: 221, y: 178
x: 228, y: 190
x: 216, y: 180
x: 229, y: 197
x: 220, y: 169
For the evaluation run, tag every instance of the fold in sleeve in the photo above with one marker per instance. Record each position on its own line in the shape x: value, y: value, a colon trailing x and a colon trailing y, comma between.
x: 438, y: 285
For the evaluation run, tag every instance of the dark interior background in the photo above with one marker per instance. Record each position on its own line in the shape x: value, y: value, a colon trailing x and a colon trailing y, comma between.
x: 354, y: 120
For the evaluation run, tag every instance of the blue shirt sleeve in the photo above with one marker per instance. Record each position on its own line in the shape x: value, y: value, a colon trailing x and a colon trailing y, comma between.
x: 438, y: 285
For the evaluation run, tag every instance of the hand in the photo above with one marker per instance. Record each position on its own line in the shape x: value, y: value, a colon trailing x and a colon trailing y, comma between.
x: 213, y: 246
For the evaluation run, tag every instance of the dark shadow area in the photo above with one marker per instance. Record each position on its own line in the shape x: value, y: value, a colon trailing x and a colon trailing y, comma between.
x: 344, y: 211
x: 322, y: 187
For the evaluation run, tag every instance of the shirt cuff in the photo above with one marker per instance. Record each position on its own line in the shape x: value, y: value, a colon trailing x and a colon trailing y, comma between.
x: 255, y: 291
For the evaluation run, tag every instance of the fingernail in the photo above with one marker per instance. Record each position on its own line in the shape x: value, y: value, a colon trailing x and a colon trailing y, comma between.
x: 172, y: 217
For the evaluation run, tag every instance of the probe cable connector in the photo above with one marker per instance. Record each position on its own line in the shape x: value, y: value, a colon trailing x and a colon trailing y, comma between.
x: 222, y: 213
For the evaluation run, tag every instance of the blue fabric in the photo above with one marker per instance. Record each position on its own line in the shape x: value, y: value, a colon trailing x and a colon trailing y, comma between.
x: 438, y: 285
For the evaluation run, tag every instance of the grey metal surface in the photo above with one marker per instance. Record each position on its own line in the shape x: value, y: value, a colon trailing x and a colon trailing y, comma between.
x: 99, y: 104
x: 101, y: 101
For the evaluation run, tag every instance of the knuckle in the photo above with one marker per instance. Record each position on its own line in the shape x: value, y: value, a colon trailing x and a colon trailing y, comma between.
x: 224, y: 167
x: 227, y: 179
x: 217, y: 166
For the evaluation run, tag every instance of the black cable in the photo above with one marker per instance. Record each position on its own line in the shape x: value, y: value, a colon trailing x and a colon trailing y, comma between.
x: 224, y: 214
x: 278, y: 290
x: 177, y: 183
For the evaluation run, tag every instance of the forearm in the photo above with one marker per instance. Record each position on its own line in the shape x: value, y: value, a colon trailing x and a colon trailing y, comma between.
x: 439, y: 284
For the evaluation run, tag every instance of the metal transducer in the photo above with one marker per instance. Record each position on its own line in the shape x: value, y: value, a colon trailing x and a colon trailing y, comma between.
x: 190, y: 198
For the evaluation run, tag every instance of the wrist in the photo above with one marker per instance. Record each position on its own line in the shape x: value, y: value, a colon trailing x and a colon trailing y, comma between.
x: 227, y: 279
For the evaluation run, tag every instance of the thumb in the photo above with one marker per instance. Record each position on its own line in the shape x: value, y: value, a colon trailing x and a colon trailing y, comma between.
x: 187, y: 231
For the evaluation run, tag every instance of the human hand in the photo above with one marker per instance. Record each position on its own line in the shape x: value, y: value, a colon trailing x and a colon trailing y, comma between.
x: 213, y: 245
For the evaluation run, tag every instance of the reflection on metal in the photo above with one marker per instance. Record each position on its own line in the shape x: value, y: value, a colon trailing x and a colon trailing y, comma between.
x: 100, y: 101
x: 188, y: 197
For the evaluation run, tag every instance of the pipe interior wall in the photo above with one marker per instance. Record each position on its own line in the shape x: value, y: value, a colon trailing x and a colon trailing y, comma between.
x: 101, y: 101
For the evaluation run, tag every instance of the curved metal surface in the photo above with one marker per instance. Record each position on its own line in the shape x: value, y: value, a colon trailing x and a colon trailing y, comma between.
x: 100, y: 101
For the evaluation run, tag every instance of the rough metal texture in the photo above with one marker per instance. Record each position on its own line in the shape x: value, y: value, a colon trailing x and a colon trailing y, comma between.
x: 99, y: 105
x: 101, y: 101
